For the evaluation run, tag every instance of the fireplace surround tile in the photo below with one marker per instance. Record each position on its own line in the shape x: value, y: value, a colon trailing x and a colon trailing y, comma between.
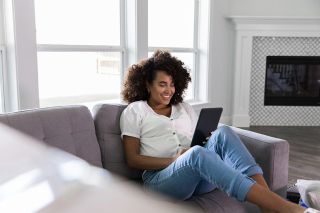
x: 262, y: 46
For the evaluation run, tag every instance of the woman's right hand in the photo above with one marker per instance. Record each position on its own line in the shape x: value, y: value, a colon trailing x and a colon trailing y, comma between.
x: 179, y: 153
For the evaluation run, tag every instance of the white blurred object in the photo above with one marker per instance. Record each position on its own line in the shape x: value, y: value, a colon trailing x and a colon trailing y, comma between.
x: 314, y: 199
x: 311, y: 210
x: 38, y: 178
x: 310, y: 192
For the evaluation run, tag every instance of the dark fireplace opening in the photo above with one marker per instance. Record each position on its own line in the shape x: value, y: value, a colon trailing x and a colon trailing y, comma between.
x: 292, y: 81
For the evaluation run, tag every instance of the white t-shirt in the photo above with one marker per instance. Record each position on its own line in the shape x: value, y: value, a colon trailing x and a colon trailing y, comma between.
x: 160, y: 136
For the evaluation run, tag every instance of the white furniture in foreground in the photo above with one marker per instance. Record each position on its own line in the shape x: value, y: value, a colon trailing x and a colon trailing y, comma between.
x: 37, y: 178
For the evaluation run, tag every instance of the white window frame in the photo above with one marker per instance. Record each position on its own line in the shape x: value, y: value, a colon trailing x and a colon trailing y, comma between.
x: 2, y: 78
x: 21, y: 58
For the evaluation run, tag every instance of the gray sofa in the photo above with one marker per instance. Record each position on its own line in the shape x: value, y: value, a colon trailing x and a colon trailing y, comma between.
x: 95, y: 137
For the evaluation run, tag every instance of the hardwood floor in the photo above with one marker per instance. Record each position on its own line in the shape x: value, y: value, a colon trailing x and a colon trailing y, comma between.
x: 304, y: 156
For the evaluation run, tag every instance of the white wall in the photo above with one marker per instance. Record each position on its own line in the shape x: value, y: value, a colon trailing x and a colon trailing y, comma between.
x: 221, y: 63
x: 275, y: 7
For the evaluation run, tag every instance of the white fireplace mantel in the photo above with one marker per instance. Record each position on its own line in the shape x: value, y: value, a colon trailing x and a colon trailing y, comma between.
x: 248, y: 27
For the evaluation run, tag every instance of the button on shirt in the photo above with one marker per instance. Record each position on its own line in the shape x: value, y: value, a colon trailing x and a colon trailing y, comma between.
x: 160, y: 136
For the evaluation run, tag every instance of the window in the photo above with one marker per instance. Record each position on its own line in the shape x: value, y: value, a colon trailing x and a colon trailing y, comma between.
x: 80, y: 51
x: 84, y: 47
x: 175, y: 31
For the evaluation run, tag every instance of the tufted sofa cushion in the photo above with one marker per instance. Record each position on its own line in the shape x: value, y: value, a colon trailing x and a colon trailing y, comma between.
x: 69, y: 128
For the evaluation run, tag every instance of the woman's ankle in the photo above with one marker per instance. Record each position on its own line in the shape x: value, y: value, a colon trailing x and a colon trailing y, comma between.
x: 260, y: 180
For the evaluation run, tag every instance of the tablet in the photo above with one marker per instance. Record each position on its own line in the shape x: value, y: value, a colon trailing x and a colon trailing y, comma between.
x: 207, y: 122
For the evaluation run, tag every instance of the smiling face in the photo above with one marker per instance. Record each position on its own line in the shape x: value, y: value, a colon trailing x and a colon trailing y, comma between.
x: 161, y: 90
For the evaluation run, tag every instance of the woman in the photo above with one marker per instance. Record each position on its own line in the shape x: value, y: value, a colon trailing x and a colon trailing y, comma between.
x: 157, y: 128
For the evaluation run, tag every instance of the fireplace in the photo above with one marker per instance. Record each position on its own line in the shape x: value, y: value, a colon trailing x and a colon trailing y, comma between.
x: 292, y: 81
x: 259, y: 37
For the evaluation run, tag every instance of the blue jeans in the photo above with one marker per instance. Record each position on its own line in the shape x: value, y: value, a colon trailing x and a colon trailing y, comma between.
x: 223, y: 163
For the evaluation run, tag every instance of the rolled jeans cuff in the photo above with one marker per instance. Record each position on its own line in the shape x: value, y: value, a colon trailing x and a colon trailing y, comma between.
x: 254, y: 170
x: 244, y: 187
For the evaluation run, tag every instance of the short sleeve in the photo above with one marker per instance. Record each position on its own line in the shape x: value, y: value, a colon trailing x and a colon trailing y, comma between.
x: 130, y: 122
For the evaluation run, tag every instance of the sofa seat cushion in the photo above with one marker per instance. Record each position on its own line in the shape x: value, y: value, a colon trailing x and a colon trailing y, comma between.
x: 69, y: 128
x: 219, y: 202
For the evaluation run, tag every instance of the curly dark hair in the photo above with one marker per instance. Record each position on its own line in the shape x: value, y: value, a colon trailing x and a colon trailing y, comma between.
x: 135, y: 85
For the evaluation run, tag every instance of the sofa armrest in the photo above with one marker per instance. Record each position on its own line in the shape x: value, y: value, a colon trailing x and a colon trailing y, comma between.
x: 272, y: 154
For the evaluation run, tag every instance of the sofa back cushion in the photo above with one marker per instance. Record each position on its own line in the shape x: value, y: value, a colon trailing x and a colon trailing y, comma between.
x: 69, y: 128
x: 107, y: 122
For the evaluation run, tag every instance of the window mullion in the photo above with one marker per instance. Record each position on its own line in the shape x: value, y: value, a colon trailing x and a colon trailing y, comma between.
x: 196, y: 53
x: 142, y: 29
x: 123, y: 41
x: 2, y: 79
x: 136, y: 30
